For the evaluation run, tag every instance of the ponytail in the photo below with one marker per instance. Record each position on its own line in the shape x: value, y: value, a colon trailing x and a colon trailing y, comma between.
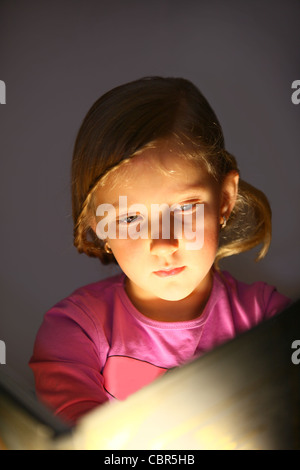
x: 249, y: 224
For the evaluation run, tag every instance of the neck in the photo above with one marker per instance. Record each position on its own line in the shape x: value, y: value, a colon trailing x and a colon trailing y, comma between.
x: 186, y: 309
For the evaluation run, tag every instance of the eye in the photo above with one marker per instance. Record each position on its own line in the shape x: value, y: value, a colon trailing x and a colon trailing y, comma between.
x: 187, y: 207
x: 128, y: 220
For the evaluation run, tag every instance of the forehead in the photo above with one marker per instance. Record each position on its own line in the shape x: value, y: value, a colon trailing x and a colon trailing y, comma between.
x: 154, y: 172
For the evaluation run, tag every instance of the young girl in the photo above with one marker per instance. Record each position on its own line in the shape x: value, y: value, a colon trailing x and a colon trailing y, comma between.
x: 151, y: 143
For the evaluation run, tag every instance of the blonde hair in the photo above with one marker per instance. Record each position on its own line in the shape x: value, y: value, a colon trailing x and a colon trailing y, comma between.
x: 141, y: 114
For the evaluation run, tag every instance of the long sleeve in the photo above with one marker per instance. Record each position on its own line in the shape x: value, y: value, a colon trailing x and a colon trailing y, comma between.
x: 66, y: 362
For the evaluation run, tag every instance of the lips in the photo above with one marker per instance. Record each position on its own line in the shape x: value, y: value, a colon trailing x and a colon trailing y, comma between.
x: 169, y: 272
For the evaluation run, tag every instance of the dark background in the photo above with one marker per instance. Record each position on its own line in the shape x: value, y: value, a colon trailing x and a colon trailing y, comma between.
x: 58, y: 57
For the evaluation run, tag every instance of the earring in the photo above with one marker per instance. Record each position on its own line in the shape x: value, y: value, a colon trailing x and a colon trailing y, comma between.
x: 107, y: 248
x: 224, y: 222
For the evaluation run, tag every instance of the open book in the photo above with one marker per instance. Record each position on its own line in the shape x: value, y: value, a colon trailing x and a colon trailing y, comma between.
x: 244, y: 394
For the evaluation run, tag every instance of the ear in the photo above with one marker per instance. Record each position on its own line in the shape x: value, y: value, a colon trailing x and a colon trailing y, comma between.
x: 229, y: 193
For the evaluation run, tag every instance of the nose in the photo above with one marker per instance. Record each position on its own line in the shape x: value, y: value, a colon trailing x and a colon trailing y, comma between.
x: 163, y: 242
x: 163, y: 247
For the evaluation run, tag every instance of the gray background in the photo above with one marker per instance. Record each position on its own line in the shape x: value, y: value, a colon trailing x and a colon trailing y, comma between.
x: 58, y: 57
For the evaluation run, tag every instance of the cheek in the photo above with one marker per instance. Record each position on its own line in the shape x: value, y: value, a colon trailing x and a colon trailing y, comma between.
x: 211, y: 229
x: 211, y: 234
x: 127, y: 252
x: 205, y: 230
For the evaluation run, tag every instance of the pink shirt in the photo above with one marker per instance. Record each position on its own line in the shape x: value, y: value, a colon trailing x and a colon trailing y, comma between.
x: 96, y: 346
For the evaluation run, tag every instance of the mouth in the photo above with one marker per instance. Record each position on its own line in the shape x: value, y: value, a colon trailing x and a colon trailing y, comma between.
x: 169, y: 271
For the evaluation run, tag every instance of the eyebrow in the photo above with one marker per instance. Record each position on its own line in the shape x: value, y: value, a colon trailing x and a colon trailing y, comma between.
x: 180, y: 193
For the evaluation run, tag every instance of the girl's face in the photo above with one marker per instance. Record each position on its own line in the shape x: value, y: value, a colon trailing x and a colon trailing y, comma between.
x: 160, y: 176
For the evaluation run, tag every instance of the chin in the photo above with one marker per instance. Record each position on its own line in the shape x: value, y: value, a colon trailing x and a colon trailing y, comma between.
x: 173, y: 295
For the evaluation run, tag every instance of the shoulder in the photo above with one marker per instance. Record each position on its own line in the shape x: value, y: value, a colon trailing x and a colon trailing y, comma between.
x: 87, y: 310
x: 259, y: 300
x: 102, y: 291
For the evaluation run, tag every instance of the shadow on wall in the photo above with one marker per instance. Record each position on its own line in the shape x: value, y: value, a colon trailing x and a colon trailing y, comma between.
x: 245, y: 269
x: 19, y: 311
